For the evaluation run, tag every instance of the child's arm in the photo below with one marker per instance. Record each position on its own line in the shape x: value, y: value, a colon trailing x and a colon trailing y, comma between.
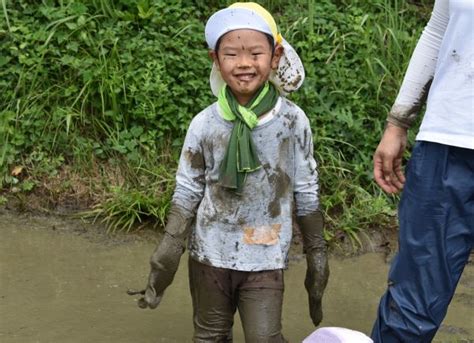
x: 310, y: 219
x: 187, y: 196
x: 165, y: 259
x: 317, y: 272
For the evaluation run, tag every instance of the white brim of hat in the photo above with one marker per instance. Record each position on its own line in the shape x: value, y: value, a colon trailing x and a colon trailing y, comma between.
x: 288, y: 77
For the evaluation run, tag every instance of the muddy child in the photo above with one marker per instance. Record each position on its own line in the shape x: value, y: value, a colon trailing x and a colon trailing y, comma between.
x: 246, y: 165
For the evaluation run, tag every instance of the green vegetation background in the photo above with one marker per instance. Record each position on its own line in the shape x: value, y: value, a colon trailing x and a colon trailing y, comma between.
x: 96, y: 96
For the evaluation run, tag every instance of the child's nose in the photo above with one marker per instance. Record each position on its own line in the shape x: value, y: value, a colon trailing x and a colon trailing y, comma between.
x: 244, y: 61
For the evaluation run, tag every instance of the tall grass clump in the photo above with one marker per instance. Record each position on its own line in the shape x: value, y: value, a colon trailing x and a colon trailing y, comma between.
x: 355, y: 54
x: 108, y: 88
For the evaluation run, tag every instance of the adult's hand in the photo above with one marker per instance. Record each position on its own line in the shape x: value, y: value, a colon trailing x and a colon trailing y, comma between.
x: 388, y: 172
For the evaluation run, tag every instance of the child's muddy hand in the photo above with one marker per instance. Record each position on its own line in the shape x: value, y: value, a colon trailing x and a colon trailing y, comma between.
x: 151, y: 303
x: 315, y: 294
x: 317, y: 275
x: 142, y: 303
x: 315, y: 310
x: 132, y: 291
x: 150, y: 298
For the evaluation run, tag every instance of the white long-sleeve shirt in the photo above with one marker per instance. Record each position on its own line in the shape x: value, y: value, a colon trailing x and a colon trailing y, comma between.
x: 444, y: 57
x: 251, y: 231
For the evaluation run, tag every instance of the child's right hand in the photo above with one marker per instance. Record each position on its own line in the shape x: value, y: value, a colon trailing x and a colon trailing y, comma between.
x: 165, y: 259
x: 149, y: 299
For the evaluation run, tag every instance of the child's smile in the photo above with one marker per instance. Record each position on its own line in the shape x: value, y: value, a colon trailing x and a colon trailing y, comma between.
x: 245, y: 60
x: 245, y: 76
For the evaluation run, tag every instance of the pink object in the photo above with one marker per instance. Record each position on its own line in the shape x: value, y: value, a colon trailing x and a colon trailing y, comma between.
x: 337, y: 335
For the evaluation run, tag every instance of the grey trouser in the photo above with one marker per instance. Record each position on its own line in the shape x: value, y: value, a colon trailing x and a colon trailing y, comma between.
x: 217, y: 293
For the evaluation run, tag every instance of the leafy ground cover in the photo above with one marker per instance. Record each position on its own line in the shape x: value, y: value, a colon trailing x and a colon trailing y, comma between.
x: 96, y: 97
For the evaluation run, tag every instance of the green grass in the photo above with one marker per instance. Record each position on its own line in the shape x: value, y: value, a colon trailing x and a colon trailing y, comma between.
x: 93, y: 84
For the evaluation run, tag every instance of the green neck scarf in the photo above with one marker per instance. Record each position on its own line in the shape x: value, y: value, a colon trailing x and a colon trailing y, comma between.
x: 241, y: 156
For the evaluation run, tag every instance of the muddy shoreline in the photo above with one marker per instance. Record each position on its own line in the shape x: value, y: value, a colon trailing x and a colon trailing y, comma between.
x: 70, y: 218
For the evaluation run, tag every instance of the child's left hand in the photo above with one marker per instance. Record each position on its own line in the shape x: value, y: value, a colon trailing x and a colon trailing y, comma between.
x: 317, y: 272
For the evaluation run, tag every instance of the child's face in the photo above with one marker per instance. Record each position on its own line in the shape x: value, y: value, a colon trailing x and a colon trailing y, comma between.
x: 245, y: 61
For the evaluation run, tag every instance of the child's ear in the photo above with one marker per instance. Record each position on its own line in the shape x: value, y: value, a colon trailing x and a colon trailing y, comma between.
x: 278, y: 52
x: 213, y: 57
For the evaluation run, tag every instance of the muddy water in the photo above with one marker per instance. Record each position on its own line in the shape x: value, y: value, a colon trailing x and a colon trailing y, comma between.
x: 64, y: 281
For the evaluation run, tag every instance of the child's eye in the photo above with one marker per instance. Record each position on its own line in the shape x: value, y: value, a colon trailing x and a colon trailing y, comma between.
x: 230, y: 55
x: 257, y: 53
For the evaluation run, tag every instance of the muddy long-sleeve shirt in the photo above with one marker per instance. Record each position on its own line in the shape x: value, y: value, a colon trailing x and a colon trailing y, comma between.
x: 251, y: 231
x: 444, y: 58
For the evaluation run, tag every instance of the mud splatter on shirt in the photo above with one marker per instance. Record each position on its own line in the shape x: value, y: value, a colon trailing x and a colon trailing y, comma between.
x: 251, y: 231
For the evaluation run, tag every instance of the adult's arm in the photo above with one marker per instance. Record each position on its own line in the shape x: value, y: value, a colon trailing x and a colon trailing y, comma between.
x: 388, y: 172
x: 421, y: 68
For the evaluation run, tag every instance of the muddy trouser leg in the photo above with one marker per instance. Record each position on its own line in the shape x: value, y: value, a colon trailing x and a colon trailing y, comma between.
x: 213, y: 303
x: 436, y: 236
x: 260, y: 304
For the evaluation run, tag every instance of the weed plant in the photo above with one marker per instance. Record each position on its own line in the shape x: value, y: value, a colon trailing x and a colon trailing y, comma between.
x: 99, y: 85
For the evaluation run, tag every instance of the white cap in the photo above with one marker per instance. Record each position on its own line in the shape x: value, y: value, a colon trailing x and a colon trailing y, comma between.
x: 288, y: 76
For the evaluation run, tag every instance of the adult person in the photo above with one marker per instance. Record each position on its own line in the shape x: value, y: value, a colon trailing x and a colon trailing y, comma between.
x: 436, y: 211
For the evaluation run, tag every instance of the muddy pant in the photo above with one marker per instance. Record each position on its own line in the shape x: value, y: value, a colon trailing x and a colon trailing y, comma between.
x: 436, y: 236
x: 217, y: 293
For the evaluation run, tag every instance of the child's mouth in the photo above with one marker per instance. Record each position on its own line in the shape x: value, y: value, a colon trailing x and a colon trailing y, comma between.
x: 245, y: 77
